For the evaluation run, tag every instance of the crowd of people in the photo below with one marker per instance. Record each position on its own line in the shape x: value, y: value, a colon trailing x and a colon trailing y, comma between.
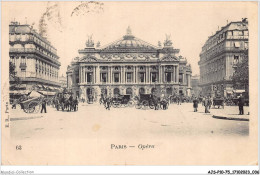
x: 63, y: 102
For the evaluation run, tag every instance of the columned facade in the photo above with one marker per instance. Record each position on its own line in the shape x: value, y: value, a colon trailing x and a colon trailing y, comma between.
x: 129, y: 66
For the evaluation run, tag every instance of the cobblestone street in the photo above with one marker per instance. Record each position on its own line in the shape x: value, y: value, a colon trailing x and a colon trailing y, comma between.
x: 178, y: 120
x: 62, y: 136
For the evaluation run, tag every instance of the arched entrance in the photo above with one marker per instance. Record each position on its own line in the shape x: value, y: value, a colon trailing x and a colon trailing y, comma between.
x: 141, y: 91
x: 154, y: 91
x: 180, y: 92
x: 169, y: 91
x: 116, y: 92
x: 129, y: 91
x: 90, y: 95
x: 104, y: 91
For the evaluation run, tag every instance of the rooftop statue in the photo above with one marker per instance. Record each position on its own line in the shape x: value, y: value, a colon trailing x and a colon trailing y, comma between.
x: 98, y: 44
x: 90, y: 42
x: 129, y: 31
x: 159, y: 43
x: 168, y: 41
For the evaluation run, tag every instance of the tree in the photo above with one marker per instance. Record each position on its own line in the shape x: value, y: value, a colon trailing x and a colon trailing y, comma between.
x: 13, y: 75
x: 240, y: 77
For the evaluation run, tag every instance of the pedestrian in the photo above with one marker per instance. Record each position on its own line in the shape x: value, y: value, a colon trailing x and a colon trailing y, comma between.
x: 108, y: 103
x: 14, y: 104
x: 44, y: 105
x: 195, y: 104
x: 178, y: 100
x: 203, y: 101
x: 206, y: 104
x: 76, y: 102
x: 181, y: 98
x: 210, y: 102
x: 241, y: 103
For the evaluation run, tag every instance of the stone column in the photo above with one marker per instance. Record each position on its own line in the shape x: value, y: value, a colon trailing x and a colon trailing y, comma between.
x: 159, y: 74
x: 149, y: 78
x: 80, y: 74
x: 108, y: 74
x: 183, y: 78
x: 121, y: 75
x: 146, y: 75
x: 177, y: 74
x: 174, y: 74
x: 134, y: 74
x: 98, y: 74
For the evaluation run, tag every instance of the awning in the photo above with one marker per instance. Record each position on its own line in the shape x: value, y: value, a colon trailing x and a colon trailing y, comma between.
x: 239, y: 91
x: 229, y: 92
x: 47, y: 93
x: 22, y: 92
x: 34, y: 94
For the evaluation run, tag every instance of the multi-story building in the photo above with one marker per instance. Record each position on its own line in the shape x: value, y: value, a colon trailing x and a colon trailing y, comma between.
x: 195, y: 89
x: 63, y: 81
x: 128, y: 66
x: 219, y: 56
x: 35, y: 59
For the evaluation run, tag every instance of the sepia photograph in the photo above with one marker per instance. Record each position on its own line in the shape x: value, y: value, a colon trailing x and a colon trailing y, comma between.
x: 129, y: 83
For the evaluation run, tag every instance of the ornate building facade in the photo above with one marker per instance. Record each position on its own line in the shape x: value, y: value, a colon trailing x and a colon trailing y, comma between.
x: 195, y: 88
x: 34, y: 58
x: 219, y: 56
x: 128, y: 66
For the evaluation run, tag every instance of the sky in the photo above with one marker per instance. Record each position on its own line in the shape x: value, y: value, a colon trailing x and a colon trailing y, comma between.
x: 70, y: 23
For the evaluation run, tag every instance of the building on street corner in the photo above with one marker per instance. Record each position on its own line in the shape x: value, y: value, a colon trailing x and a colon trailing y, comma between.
x: 63, y: 81
x: 35, y: 61
x: 219, y: 56
x: 195, y: 88
x: 128, y: 66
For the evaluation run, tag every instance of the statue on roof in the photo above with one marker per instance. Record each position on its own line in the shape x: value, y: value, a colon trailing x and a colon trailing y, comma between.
x: 129, y: 31
x: 98, y: 44
x: 168, y: 41
x: 159, y: 43
x: 90, y: 42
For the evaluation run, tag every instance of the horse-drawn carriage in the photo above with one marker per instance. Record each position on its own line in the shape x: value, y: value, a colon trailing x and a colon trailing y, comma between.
x: 32, y: 105
x: 218, y: 101
x: 122, y: 100
x: 65, y: 101
x: 150, y: 101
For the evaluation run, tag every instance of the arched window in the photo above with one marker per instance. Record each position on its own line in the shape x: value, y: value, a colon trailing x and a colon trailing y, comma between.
x: 129, y: 91
x: 141, y: 91
x: 169, y: 91
x: 116, y: 91
x: 154, y: 90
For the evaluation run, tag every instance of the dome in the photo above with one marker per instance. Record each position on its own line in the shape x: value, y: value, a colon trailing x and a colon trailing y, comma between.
x: 129, y: 41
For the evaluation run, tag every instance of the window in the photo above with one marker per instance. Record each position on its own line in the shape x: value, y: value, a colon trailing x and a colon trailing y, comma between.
x: 246, y: 45
x: 168, y: 76
x: 237, y: 44
x: 89, y: 77
x: 180, y: 78
x: 141, y: 76
x: 103, y: 77
x: 77, y: 79
x: 116, y: 77
x: 236, y: 59
x: 154, y: 77
x: 129, y: 77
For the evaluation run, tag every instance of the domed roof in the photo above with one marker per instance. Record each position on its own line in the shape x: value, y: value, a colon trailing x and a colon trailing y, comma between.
x: 129, y: 41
